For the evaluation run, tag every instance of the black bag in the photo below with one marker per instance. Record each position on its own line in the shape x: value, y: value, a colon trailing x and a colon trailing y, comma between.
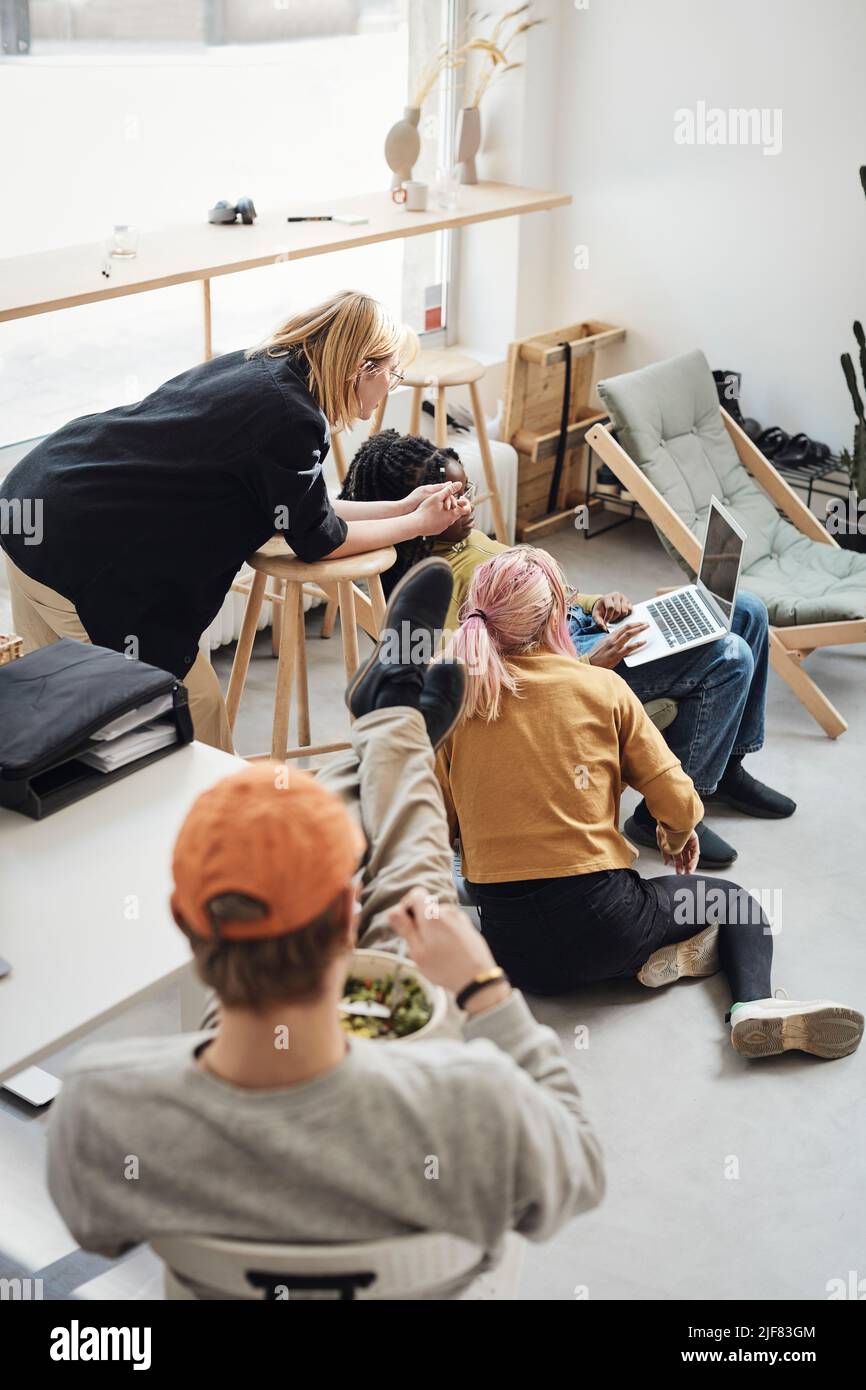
x: 52, y: 702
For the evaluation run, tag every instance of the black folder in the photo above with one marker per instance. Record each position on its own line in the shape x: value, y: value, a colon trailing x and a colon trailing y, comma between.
x: 53, y: 701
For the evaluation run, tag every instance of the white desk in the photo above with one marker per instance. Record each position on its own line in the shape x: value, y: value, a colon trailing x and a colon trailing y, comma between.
x: 69, y: 888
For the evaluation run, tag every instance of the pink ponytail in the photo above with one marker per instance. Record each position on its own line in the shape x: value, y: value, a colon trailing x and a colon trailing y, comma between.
x: 517, y: 603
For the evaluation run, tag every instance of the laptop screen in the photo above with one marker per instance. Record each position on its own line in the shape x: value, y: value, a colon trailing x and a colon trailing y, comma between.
x: 720, y: 562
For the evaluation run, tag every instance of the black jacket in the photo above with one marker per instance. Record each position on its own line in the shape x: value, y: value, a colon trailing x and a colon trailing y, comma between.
x: 148, y: 511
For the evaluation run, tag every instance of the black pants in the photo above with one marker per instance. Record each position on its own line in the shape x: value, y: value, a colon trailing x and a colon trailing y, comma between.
x: 567, y: 932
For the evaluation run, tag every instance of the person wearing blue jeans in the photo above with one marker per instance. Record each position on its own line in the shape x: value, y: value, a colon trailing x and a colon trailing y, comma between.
x: 721, y: 692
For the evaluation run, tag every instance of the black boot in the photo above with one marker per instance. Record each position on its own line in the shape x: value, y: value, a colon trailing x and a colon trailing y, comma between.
x: 728, y: 391
x: 396, y: 671
x: 738, y: 788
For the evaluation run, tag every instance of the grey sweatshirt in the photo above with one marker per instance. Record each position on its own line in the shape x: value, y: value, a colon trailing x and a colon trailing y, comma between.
x: 475, y: 1138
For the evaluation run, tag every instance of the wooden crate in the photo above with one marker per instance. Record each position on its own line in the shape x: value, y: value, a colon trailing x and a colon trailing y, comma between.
x: 11, y: 647
x: 534, y: 388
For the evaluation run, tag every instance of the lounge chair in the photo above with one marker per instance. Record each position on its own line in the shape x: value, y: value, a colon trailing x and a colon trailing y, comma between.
x: 672, y: 446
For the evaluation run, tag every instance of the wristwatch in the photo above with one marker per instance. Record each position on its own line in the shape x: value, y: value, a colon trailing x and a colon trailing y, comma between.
x: 494, y: 976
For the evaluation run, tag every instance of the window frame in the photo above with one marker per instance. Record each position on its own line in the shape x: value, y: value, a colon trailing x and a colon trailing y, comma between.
x: 453, y: 19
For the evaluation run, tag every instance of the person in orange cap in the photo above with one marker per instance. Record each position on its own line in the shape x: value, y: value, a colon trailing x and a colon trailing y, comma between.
x: 275, y: 1124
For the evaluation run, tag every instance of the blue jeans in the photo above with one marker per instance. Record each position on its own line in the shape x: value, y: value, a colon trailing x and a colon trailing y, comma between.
x: 720, y: 688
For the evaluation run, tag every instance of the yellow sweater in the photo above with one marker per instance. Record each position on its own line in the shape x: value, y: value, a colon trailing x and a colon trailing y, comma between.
x: 464, y: 557
x: 535, y: 793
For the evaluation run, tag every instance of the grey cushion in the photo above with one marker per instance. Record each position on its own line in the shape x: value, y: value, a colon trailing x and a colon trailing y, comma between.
x: 668, y: 420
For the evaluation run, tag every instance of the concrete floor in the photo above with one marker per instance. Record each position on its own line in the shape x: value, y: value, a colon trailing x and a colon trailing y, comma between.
x: 726, y: 1179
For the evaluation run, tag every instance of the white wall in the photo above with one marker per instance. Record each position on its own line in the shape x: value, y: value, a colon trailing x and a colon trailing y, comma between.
x: 760, y: 260
x: 505, y: 266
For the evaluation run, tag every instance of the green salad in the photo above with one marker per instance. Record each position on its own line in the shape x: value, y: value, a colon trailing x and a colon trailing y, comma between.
x: 412, y: 1012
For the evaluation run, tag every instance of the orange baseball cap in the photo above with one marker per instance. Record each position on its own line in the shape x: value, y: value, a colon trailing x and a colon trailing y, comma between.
x: 270, y: 834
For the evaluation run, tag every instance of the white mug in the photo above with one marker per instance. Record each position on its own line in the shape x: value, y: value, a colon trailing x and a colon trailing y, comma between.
x: 416, y: 196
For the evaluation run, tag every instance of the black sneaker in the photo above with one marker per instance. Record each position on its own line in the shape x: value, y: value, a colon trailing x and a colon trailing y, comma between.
x: 738, y: 788
x: 640, y: 833
x: 716, y: 853
x: 395, y: 672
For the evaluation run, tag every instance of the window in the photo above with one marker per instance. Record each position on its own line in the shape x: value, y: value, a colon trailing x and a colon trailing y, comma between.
x: 147, y: 112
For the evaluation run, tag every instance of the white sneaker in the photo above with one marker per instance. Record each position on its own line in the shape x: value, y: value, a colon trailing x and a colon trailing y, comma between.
x: 697, y: 956
x: 766, y: 1027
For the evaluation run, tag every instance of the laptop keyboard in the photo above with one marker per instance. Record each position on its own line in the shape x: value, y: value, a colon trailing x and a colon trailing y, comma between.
x: 681, y: 619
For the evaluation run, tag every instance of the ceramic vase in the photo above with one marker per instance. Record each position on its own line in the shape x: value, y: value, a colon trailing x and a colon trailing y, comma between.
x: 403, y: 145
x: 468, y: 142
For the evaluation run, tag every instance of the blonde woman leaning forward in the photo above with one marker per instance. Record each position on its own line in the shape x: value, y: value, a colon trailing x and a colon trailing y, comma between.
x: 532, y: 779
x: 127, y: 528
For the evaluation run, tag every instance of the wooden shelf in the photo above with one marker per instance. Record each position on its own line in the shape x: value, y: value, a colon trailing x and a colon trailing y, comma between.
x: 533, y: 415
x: 539, y: 445
x: 49, y: 280
x: 597, y: 335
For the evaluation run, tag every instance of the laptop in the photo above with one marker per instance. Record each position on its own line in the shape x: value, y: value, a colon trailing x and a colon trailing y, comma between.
x: 699, y: 612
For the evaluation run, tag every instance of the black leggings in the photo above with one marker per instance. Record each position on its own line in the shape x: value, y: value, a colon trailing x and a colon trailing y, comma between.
x: 552, y: 936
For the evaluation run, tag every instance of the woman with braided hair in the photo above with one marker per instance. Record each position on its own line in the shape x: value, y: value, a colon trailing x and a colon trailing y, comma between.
x: 389, y: 463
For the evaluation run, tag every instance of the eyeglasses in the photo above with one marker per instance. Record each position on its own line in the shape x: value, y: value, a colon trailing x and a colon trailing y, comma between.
x: 395, y: 378
x: 470, y: 491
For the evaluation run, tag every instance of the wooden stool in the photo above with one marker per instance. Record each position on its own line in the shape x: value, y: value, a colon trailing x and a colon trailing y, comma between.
x: 335, y: 580
x: 441, y: 370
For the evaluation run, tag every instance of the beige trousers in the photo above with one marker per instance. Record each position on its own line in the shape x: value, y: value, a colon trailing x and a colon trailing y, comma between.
x: 40, y: 616
x: 387, y: 781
